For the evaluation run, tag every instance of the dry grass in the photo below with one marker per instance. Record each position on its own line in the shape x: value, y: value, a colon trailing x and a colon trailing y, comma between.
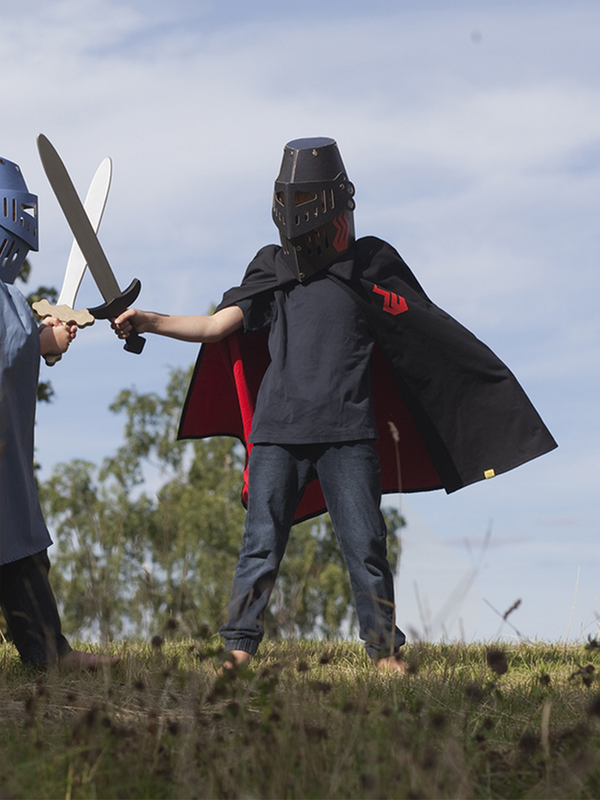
x: 308, y: 720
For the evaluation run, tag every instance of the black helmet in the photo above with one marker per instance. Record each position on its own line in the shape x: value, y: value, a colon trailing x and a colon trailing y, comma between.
x: 18, y: 221
x: 313, y: 204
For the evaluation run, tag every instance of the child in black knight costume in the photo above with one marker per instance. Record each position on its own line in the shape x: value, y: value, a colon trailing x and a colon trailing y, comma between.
x: 332, y: 366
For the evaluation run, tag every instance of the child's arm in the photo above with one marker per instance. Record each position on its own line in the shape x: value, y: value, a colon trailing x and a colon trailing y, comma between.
x: 188, y: 329
x: 55, y: 336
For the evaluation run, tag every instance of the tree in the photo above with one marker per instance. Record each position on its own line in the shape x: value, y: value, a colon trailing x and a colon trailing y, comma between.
x: 164, y: 558
x: 99, y: 529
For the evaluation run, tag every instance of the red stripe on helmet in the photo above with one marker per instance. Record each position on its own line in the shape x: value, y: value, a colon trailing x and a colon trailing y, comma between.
x: 342, y: 235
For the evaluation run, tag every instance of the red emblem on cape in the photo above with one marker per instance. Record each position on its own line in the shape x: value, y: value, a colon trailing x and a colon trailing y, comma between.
x: 392, y: 303
x: 342, y: 235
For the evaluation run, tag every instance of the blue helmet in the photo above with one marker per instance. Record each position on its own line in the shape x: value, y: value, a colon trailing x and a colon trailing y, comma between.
x: 18, y: 221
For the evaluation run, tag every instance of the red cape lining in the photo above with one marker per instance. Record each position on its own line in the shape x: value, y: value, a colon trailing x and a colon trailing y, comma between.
x: 223, y: 395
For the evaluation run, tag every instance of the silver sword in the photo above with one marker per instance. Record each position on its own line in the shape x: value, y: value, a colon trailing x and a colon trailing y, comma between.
x: 116, y: 300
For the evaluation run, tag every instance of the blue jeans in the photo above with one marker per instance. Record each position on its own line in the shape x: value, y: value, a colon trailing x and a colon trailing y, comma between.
x: 350, y: 479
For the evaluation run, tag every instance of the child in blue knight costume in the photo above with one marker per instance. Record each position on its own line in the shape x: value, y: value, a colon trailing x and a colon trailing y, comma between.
x: 26, y: 597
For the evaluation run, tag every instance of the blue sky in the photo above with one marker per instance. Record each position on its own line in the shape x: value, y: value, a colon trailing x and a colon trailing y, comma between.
x: 472, y: 133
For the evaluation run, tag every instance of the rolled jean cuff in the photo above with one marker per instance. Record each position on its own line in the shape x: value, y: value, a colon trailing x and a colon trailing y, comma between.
x: 247, y: 645
x: 377, y: 650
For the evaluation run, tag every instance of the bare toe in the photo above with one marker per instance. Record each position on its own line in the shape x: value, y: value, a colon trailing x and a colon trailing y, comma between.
x: 393, y: 663
x: 238, y: 658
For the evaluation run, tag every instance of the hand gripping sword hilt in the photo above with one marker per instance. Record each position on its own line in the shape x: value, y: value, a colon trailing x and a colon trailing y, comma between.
x: 134, y: 343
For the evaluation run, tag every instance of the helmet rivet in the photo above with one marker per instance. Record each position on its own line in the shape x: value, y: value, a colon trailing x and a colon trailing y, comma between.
x: 301, y: 275
x: 298, y: 247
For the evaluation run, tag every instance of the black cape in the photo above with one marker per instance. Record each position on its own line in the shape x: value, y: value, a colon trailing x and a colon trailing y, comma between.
x: 449, y: 412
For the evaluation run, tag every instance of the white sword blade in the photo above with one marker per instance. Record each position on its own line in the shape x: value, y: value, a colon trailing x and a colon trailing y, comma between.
x: 95, y: 203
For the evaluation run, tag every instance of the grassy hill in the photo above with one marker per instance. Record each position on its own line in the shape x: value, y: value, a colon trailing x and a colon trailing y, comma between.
x: 308, y: 720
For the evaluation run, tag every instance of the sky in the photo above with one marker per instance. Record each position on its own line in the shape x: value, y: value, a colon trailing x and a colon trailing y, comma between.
x: 471, y: 130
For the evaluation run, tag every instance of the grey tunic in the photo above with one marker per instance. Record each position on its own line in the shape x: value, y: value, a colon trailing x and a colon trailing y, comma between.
x: 23, y: 531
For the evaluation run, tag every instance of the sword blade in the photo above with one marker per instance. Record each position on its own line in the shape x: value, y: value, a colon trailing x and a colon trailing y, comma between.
x: 78, y: 220
x: 94, y: 205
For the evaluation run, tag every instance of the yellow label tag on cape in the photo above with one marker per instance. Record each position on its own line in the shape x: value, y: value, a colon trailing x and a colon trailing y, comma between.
x: 489, y: 473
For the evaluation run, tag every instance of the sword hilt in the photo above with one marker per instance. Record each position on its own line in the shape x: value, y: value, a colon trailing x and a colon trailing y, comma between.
x: 134, y: 343
x: 65, y: 314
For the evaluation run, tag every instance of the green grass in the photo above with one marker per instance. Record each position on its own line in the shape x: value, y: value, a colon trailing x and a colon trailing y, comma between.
x: 308, y: 720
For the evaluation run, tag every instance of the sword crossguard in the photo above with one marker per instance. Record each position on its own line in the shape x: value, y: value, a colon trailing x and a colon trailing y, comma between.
x: 118, y: 304
x: 64, y: 313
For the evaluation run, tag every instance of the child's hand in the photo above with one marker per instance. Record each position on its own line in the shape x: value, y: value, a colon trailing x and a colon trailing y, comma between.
x: 125, y: 322
x: 55, y: 336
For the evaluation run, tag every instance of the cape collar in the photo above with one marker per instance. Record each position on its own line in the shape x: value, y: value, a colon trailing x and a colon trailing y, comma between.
x: 343, y: 268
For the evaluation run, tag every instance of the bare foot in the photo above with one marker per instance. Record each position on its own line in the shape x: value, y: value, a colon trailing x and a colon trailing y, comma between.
x: 240, y: 659
x: 394, y: 663
x: 77, y: 659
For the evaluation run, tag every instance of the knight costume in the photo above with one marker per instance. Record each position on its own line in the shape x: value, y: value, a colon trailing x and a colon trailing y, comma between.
x: 26, y: 598
x: 442, y: 410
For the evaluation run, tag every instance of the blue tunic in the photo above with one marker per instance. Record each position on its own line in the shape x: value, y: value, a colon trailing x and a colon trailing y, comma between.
x: 23, y: 531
